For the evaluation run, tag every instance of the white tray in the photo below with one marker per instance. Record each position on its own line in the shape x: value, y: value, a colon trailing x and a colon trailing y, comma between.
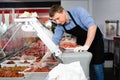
x: 17, y: 63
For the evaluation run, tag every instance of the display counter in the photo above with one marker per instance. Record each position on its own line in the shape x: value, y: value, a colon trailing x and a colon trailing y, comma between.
x: 18, y: 43
x: 83, y: 57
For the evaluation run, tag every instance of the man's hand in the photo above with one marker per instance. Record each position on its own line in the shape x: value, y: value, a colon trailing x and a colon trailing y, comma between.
x: 81, y: 48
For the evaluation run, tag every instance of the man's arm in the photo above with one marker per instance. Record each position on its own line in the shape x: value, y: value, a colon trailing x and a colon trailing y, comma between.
x: 90, y: 35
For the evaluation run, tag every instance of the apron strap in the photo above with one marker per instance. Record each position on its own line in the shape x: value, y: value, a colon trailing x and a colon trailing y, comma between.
x: 72, y: 17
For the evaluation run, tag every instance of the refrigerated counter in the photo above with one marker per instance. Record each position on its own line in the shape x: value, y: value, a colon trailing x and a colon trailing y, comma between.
x: 15, y: 40
x: 83, y: 57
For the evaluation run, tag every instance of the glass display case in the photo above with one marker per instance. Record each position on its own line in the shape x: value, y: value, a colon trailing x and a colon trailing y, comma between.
x: 14, y: 40
x: 21, y: 46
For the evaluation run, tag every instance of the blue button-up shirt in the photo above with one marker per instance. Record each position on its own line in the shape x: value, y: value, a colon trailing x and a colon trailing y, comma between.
x: 81, y: 17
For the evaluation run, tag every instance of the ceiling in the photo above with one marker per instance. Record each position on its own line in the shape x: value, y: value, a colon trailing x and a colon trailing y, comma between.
x: 28, y: 0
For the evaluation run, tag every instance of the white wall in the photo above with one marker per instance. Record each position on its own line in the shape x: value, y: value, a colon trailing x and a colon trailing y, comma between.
x: 105, y: 10
x: 68, y: 4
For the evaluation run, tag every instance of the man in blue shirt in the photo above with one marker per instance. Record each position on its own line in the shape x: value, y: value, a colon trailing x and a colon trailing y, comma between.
x: 79, y: 23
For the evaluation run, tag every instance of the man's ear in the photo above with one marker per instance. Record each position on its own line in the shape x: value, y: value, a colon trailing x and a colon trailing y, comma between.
x: 63, y: 12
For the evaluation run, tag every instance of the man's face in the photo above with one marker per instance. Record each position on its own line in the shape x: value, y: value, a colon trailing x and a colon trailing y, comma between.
x: 59, y: 18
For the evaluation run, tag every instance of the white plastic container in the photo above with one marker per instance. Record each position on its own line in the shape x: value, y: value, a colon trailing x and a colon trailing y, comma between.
x: 16, y: 63
x: 83, y: 57
x: 5, y: 64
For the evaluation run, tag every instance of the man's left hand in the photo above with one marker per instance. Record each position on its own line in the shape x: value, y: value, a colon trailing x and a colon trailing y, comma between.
x: 81, y: 48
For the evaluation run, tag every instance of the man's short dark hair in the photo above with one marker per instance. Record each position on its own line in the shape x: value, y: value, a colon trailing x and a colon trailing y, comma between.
x: 55, y: 8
